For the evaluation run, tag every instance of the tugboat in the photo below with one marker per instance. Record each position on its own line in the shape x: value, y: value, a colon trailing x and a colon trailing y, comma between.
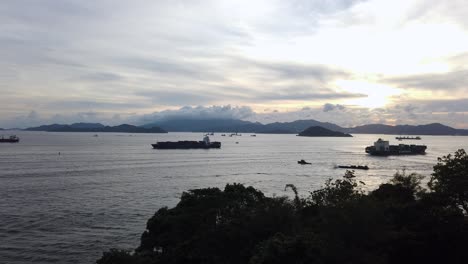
x: 383, y: 148
x: 205, y: 144
x: 11, y: 139
x: 303, y: 162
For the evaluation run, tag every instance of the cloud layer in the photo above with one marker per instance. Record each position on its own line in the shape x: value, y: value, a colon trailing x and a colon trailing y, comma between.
x: 347, y: 60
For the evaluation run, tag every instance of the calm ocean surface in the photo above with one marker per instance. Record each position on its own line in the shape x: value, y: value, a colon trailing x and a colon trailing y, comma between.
x: 100, y: 191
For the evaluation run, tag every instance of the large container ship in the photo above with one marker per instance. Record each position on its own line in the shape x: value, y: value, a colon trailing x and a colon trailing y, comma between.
x: 205, y: 144
x: 383, y: 148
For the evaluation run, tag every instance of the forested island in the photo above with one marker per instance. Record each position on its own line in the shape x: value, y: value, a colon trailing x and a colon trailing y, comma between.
x: 402, y: 221
x: 317, y: 131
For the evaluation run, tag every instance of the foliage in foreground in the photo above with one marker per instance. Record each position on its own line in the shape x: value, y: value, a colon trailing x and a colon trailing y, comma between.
x: 399, y: 222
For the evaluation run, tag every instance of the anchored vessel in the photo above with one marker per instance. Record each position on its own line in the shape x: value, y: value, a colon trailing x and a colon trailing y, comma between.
x: 11, y: 139
x: 205, y: 144
x: 383, y: 148
x: 412, y: 138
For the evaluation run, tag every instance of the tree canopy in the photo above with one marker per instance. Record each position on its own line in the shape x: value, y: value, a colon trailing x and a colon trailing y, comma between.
x: 450, y: 179
x: 399, y: 222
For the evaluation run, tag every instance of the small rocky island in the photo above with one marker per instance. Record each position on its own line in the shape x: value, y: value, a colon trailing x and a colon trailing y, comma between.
x: 317, y: 131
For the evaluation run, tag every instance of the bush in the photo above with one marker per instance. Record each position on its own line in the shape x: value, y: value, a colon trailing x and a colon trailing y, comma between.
x: 450, y: 179
x: 396, y: 223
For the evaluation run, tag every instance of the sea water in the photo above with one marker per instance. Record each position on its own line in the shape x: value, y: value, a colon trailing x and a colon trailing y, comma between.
x: 67, y: 197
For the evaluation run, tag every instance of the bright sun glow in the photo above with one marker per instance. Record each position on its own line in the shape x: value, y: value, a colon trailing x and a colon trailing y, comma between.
x: 378, y: 95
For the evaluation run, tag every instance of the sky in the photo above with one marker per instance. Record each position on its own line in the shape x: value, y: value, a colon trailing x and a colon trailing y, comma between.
x: 350, y: 62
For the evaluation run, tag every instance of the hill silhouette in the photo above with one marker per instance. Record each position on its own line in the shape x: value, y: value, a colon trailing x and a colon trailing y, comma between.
x: 235, y: 125
x: 316, y: 131
x: 294, y: 127
x: 96, y: 127
x: 429, y: 129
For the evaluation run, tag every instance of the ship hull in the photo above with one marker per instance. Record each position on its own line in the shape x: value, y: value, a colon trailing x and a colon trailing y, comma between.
x: 9, y: 140
x: 186, y: 145
x: 398, y: 150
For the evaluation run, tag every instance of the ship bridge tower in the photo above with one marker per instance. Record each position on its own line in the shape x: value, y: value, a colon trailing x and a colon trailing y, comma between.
x: 382, y: 145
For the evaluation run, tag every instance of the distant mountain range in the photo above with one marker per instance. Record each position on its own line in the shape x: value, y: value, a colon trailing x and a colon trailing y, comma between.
x: 96, y: 127
x: 235, y: 125
x: 241, y: 126
x: 200, y: 125
x: 316, y: 131
x: 429, y: 129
